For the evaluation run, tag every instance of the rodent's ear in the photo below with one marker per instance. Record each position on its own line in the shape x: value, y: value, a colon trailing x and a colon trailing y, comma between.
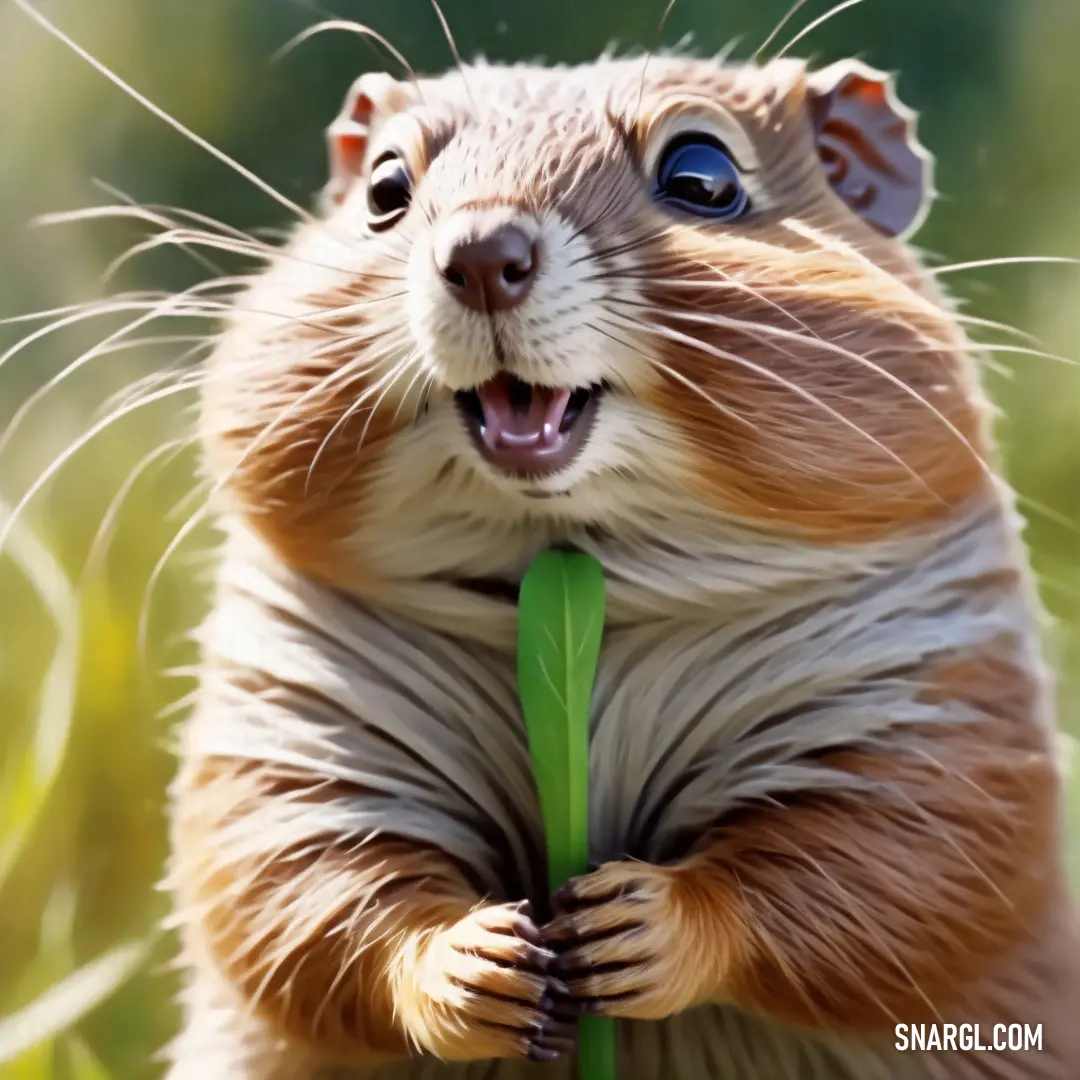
x: 370, y: 96
x: 867, y: 141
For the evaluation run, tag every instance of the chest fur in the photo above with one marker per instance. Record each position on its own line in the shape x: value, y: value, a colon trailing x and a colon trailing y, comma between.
x: 726, y: 698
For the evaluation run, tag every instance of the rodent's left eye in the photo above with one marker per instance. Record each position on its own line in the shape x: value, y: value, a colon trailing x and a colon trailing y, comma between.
x: 697, y: 174
x: 389, y: 192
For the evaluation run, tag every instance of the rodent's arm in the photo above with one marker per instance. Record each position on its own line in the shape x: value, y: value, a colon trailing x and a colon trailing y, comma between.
x: 359, y: 948
x: 845, y: 911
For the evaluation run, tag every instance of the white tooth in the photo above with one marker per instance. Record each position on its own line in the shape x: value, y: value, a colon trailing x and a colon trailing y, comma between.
x: 554, y: 447
x: 511, y: 438
x: 557, y: 408
x: 491, y: 435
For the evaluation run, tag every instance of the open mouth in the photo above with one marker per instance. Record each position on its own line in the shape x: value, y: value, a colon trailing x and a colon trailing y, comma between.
x: 528, y: 430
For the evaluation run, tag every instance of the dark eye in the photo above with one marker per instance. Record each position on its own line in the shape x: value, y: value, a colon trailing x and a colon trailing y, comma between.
x: 388, y: 194
x: 696, y: 173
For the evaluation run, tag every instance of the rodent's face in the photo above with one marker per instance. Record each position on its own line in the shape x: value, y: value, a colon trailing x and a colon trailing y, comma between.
x: 585, y: 293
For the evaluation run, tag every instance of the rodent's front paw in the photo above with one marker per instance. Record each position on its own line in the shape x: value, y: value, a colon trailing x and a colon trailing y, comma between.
x: 482, y: 988
x: 624, y: 944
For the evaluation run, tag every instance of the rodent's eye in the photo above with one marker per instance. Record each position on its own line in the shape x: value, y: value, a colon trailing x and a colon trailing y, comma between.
x: 696, y: 173
x: 389, y: 192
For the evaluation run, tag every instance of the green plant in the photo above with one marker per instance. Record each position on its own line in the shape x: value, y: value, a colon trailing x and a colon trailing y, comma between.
x: 560, y: 624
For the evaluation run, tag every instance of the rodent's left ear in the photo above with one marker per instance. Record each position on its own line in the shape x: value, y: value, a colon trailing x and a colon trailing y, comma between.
x: 370, y: 96
x: 867, y: 141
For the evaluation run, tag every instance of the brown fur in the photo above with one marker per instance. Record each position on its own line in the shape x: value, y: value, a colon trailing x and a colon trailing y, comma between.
x: 299, y: 447
x: 359, y: 951
x: 819, y: 912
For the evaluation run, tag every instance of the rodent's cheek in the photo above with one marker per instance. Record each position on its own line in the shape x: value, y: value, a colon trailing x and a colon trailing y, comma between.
x: 632, y: 452
x: 454, y: 344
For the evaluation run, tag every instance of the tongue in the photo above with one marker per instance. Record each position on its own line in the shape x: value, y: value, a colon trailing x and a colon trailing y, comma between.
x: 510, y: 422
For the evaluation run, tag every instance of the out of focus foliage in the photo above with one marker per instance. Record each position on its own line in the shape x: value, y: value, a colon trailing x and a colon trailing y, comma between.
x: 84, y: 757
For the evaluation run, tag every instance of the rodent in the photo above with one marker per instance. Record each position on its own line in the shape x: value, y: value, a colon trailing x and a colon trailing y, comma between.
x: 665, y: 314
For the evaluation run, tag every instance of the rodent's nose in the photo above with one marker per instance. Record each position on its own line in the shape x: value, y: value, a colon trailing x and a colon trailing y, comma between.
x: 490, y: 272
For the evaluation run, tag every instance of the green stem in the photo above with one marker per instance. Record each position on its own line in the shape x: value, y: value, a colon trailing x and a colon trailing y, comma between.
x: 597, y: 1052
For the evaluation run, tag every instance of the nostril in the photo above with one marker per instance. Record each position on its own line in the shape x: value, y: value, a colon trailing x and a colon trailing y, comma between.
x: 486, y: 270
x: 516, y: 272
x: 455, y: 277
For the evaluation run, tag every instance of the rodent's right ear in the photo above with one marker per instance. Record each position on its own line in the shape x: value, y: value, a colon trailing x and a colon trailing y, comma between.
x: 373, y: 95
x: 868, y: 143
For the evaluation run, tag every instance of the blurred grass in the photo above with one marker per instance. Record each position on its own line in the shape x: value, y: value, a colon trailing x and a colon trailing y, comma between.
x: 84, y: 759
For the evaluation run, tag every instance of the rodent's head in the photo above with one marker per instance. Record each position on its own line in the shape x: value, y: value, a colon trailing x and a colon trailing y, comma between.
x: 580, y: 293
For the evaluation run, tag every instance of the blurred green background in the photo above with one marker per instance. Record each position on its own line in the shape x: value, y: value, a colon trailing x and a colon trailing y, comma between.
x: 84, y: 745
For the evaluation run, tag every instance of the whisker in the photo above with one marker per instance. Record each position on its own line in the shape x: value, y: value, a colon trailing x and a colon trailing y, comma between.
x: 348, y: 372
x: 100, y: 308
x: 741, y: 325
x: 102, y: 348
x: 1014, y: 260
x: 251, y: 245
x: 659, y: 365
x: 648, y: 56
x: 454, y: 52
x: 194, y: 378
x: 143, y: 625
x: 69, y: 309
x: 66, y: 455
x: 668, y: 334
x: 1055, y: 517
x: 1000, y: 327
x: 400, y: 370
x: 156, y: 218
x: 791, y: 13
x: 99, y: 546
x: 624, y: 247
x: 422, y: 397
x: 1020, y: 350
x: 161, y: 114
x: 351, y: 27
x: 807, y: 30
x: 408, y: 389
x: 188, y: 238
x: 180, y: 212
x: 350, y: 412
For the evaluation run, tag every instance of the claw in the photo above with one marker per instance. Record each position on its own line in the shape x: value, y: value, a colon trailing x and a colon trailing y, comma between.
x: 526, y: 929
x: 538, y: 1053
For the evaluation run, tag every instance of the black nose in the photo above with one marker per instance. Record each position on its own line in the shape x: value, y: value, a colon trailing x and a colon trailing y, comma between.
x: 492, y: 271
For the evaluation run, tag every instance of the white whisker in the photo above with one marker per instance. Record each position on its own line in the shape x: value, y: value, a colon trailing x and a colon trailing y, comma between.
x: 791, y: 13
x: 161, y: 114
x: 722, y: 354
x: 99, y: 546
x: 807, y: 30
x: 757, y: 329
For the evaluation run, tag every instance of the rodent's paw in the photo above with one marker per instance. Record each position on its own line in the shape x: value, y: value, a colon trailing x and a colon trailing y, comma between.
x: 623, y: 944
x: 486, y: 990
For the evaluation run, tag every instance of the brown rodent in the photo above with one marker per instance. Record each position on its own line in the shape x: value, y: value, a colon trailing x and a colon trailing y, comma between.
x: 663, y: 313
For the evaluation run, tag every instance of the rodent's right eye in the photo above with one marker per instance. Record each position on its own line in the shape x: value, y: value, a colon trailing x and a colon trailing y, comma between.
x: 697, y: 173
x: 389, y: 192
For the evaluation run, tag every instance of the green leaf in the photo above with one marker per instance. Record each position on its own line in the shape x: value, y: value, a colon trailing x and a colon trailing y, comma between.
x: 560, y: 625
